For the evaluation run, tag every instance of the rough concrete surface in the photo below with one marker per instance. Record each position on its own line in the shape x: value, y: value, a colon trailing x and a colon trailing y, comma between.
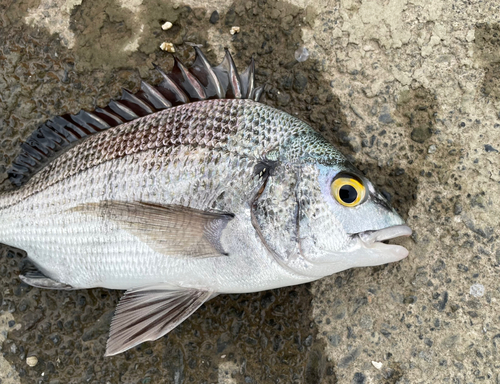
x: 409, y: 90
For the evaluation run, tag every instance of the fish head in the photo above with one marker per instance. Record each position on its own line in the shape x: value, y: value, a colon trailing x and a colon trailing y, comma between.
x: 345, y: 221
x: 338, y: 218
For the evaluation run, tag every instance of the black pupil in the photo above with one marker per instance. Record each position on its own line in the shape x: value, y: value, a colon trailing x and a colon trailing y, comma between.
x: 348, y: 194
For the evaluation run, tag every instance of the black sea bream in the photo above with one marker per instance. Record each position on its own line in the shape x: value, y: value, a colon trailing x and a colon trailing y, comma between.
x: 186, y: 190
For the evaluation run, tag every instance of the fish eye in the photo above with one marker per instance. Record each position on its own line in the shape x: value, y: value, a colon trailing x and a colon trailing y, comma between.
x: 348, y: 191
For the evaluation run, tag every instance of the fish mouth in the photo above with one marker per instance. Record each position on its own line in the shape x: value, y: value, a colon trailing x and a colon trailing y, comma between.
x: 374, y: 240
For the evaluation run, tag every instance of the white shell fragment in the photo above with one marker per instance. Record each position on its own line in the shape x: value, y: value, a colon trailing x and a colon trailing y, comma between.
x: 377, y: 364
x: 32, y: 361
x: 169, y: 47
x: 477, y: 290
x: 234, y: 30
x: 166, y: 26
x: 301, y: 54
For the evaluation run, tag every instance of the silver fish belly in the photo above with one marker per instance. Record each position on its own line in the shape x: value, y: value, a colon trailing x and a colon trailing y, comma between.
x: 208, y: 197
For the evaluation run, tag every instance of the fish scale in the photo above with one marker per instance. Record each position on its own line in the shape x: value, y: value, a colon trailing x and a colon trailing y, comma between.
x: 224, y: 195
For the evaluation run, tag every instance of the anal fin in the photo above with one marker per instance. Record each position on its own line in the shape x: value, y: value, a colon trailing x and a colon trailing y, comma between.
x: 148, y: 313
x: 31, y: 275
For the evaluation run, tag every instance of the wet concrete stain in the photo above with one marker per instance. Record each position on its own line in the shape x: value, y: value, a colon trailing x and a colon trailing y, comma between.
x: 268, y: 336
x: 417, y: 108
x: 487, y: 54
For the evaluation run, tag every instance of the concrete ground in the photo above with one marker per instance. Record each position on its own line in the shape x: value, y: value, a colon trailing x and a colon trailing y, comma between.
x: 408, y: 89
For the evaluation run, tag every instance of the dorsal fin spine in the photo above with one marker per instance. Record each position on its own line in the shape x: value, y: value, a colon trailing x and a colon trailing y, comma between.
x: 107, y: 115
x: 234, y: 78
x: 140, y: 107
x: 205, y: 74
x: 187, y: 82
x: 171, y: 90
x: 248, y: 80
x: 151, y: 94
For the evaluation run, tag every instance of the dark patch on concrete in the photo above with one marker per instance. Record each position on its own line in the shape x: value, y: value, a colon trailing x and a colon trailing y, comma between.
x: 417, y: 108
x: 318, y: 369
x: 104, y: 29
x: 487, y: 54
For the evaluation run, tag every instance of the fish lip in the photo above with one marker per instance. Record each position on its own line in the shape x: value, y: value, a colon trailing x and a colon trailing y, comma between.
x: 370, y: 238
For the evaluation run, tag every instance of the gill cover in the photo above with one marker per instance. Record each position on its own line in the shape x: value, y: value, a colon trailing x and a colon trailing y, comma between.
x: 275, y: 213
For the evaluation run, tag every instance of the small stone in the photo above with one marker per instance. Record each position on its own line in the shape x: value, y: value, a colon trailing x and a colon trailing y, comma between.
x: 432, y: 149
x: 377, y: 364
x: 230, y: 17
x: 301, y: 54
x: 166, y: 26
x: 451, y: 341
x: 169, y: 47
x: 489, y: 148
x: 334, y: 340
x: 283, y: 99
x: 214, y: 17
x: 234, y: 30
x: 32, y: 361
x: 385, y: 118
x: 476, y: 290
x: 420, y: 134
x: 457, y: 209
x: 299, y: 82
x: 359, y: 378
x: 308, y: 341
x: 399, y: 172
x: 470, y: 36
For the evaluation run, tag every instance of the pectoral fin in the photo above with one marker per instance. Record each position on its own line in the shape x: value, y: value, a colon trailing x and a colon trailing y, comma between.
x: 173, y: 230
x: 149, y: 313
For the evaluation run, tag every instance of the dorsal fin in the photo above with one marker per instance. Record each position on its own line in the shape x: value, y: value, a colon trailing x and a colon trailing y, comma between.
x: 182, y: 85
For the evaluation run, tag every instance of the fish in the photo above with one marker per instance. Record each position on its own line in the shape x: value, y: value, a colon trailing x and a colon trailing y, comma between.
x: 186, y: 190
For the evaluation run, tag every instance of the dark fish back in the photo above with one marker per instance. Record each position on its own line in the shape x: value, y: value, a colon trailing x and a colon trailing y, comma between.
x: 181, y: 86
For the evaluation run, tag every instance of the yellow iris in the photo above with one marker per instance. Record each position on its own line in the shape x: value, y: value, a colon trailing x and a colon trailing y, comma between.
x: 348, y: 191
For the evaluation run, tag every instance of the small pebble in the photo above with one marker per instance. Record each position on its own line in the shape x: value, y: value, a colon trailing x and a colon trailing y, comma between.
x: 477, y: 290
x: 166, y: 26
x: 169, y: 47
x: 32, y: 361
x: 377, y: 364
x: 214, y: 18
x: 489, y: 148
x: 432, y: 148
x: 234, y: 30
x: 301, y: 54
